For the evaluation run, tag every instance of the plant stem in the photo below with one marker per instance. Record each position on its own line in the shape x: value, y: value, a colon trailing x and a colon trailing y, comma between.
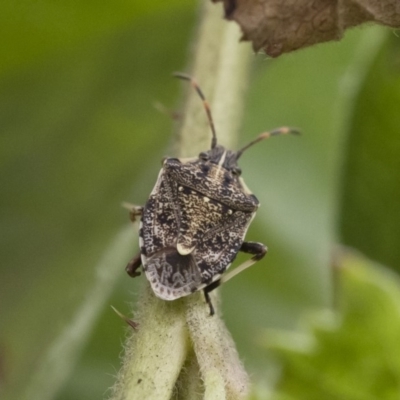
x: 178, y: 333
x: 220, y: 64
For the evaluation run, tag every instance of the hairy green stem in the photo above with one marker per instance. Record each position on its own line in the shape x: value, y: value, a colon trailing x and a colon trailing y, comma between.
x: 220, y: 64
x: 180, y: 351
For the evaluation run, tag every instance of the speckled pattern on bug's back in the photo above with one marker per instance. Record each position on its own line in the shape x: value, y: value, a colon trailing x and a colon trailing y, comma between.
x: 192, y: 226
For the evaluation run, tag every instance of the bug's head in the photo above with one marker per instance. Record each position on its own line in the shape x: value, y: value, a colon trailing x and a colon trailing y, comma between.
x: 228, y: 159
x: 219, y: 155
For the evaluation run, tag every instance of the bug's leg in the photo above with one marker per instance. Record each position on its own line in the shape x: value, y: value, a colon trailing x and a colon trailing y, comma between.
x: 258, y: 249
x: 133, y: 265
x: 207, y: 290
x: 134, y: 211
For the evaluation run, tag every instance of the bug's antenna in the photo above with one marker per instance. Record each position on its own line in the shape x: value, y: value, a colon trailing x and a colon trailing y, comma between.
x: 266, y: 135
x: 205, y: 104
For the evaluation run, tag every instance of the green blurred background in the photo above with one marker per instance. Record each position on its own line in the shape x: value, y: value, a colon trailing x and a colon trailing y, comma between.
x: 79, y: 135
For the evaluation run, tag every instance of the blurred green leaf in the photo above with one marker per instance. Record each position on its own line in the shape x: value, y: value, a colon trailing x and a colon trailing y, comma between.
x: 295, y: 178
x: 33, y: 30
x: 352, y: 354
x: 77, y: 130
x: 370, y: 204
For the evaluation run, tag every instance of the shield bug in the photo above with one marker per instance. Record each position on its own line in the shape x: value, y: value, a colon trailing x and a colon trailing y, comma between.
x: 195, y: 220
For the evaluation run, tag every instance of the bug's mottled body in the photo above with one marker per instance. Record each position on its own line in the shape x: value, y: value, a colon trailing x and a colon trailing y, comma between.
x: 193, y: 224
x: 195, y: 220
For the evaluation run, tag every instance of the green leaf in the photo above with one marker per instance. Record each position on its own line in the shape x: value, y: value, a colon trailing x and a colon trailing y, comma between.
x: 30, y: 31
x: 78, y: 136
x: 370, y: 203
x: 350, y: 354
x: 296, y: 180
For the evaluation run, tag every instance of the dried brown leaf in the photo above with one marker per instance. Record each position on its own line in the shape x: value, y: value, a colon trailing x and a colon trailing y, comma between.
x: 281, y: 26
